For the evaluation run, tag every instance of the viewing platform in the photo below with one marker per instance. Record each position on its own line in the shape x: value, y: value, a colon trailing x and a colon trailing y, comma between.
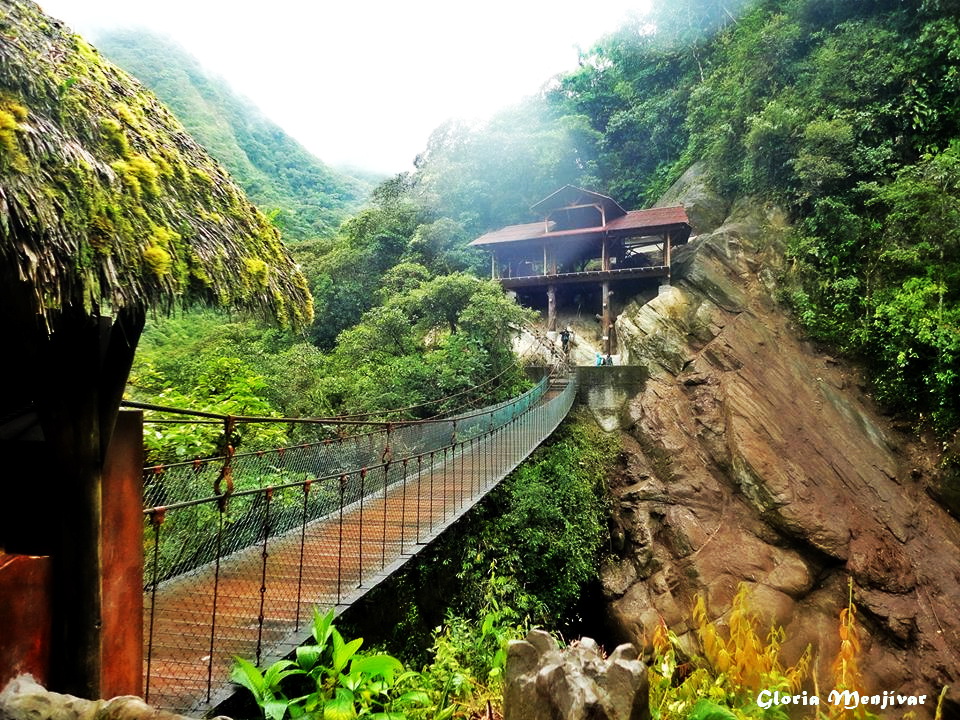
x: 588, y: 241
x: 650, y: 271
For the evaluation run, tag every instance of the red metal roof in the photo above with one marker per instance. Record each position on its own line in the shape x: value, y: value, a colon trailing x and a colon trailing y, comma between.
x: 635, y: 222
x: 652, y: 218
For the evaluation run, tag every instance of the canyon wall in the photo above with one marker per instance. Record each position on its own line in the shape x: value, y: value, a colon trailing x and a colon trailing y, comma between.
x: 752, y: 457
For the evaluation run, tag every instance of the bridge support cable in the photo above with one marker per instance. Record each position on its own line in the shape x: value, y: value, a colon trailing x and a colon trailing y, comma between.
x: 236, y: 573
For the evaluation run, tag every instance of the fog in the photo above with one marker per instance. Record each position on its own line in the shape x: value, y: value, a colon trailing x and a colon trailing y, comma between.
x: 363, y: 83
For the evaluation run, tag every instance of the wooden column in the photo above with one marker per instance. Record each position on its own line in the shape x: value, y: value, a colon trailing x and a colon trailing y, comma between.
x: 121, y: 643
x: 604, y: 254
x: 493, y: 266
x: 667, y: 258
x: 551, y: 307
x: 605, y: 321
x: 85, y: 367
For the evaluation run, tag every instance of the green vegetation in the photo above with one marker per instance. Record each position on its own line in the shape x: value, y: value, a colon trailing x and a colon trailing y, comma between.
x: 109, y: 204
x: 846, y: 113
x: 431, y: 348
x: 302, y: 196
x: 331, y: 679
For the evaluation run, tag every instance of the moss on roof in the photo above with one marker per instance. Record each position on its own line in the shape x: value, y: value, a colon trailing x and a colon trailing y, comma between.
x: 106, y: 201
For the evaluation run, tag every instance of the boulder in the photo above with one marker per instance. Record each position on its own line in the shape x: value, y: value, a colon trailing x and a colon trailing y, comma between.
x: 24, y: 699
x: 544, y: 682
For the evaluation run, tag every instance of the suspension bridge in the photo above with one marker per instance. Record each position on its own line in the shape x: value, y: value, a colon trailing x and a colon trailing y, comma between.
x: 241, y: 548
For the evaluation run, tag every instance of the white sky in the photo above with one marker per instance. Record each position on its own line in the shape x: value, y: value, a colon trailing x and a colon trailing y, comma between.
x: 363, y: 82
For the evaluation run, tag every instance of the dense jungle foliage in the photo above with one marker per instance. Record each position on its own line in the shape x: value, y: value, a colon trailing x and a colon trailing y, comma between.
x: 301, y: 194
x: 846, y: 113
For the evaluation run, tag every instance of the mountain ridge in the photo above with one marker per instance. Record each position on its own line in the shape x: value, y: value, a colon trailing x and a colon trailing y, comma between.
x: 303, y: 196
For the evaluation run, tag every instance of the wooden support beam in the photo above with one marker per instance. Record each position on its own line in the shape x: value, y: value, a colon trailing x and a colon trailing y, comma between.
x: 85, y: 363
x: 605, y: 317
x: 121, y: 643
x: 551, y: 307
x: 667, y: 258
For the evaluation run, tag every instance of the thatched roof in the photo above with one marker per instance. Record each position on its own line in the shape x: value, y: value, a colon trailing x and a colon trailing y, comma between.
x: 106, y: 202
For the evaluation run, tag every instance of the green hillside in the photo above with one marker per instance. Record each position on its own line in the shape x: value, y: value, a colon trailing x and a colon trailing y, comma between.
x: 305, y: 197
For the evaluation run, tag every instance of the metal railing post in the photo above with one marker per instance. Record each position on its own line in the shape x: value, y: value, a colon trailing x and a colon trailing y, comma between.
x: 157, y: 516
x: 268, y: 496
x: 222, y: 504
x: 303, y: 541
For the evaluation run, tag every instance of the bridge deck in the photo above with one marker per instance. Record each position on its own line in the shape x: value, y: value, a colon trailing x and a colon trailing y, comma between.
x: 257, y: 603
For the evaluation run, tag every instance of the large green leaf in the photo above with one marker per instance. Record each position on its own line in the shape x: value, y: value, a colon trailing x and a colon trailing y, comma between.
x: 246, y: 674
x: 384, y: 666
x: 322, y: 627
x: 340, y: 707
x: 278, y: 671
x: 308, y: 656
x: 275, y: 709
x: 707, y: 710
x: 343, y: 652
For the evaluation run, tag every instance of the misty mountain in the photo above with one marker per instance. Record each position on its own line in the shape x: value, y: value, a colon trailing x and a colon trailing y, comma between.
x: 305, y: 197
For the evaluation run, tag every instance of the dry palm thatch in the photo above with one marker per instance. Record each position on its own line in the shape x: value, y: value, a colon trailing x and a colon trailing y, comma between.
x: 107, y: 203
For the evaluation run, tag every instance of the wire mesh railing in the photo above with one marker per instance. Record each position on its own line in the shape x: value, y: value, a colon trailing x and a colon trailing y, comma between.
x: 237, y: 571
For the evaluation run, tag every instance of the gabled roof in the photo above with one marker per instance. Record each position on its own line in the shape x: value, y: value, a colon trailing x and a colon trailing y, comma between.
x: 637, y: 223
x: 570, y: 195
x: 106, y: 202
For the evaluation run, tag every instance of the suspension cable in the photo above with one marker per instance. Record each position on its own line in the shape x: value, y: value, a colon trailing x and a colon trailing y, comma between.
x: 349, y: 419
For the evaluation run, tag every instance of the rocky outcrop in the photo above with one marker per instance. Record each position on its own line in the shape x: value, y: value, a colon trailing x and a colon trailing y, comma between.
x: 577, y: 683
x: 751, y: 457
x: 24, y: 699
x: 705, y: 208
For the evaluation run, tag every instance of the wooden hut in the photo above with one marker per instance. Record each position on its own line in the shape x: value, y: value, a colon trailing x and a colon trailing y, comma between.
x: 108, y: 209
x: 585, y: 239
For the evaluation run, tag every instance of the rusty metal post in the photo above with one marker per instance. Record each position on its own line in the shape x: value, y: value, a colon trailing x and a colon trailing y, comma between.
x: 303, y: 541
x: 363, y: 477
x: 157, y: 516
x: 403, y: 505
x: 419, y: 491
x: 268, y: 496
x: 343, y: 485
x: 121, y: 539
x: 222, y: 506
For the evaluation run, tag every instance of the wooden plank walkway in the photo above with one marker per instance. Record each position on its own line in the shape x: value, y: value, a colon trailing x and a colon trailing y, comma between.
x: 258, y: 602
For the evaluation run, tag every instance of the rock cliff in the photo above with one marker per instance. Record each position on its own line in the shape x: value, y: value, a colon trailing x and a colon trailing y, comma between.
x: 752, y: 457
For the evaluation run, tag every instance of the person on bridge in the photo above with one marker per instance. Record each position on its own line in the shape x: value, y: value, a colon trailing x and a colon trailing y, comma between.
x: 565, y: 339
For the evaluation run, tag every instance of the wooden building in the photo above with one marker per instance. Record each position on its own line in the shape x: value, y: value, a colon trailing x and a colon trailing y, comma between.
x: 585, y: 239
